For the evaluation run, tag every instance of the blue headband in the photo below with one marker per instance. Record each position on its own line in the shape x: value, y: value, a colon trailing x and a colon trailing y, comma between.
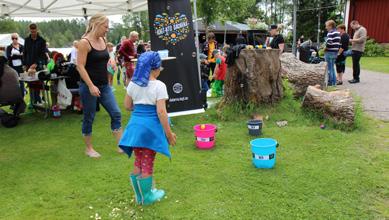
x: 146, y: 62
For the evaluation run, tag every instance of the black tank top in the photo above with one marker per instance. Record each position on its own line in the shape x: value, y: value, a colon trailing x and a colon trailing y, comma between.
x: 96, y: 65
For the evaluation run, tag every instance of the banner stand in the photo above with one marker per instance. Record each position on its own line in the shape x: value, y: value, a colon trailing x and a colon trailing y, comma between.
x: 190, y: 112
x: 171, y: 28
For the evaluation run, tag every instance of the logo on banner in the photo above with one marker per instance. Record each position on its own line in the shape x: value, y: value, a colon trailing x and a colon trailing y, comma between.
x: 171, y: 29
x: 178, y: 88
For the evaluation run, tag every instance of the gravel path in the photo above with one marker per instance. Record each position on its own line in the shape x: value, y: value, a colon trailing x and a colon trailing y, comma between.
x: 374, y: 91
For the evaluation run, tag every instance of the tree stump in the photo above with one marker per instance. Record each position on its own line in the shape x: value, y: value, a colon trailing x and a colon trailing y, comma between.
x: 255, y: 78
x: 301, y: 75
x: 338, y: 105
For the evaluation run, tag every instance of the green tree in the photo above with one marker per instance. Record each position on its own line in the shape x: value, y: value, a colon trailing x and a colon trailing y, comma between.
x: 208, y: 11
x: 309, y: 13
x: 132, y: 22
x: 7, y: 26
x: 228, y: 10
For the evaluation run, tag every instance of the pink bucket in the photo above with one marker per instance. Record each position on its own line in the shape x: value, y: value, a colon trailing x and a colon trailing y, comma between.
x: 205, y: 138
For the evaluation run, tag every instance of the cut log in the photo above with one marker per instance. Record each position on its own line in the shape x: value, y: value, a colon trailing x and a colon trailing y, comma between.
x: 338, y: 105
x: 301, y: 75
x: 254, y: 78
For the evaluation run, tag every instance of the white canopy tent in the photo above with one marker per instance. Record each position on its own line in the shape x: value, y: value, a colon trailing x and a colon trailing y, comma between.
x: 69, y: 8
x: 82, y: 8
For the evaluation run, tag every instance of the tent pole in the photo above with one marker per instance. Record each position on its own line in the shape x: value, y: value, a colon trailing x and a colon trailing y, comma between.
x: 197, y: 43
x: 84, y: 10
x: 225, y: 33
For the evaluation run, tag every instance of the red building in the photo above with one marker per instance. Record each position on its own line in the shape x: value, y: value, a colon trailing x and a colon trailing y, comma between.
x: 372, y: 14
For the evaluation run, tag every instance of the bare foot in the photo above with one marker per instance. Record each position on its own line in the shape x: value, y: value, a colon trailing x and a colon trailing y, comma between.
x: 120, y: 151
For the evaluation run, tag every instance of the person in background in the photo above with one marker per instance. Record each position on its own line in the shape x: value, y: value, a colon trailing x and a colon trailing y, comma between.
x: 73, y: 53
x: 341, y: 59
x: 141, y: 48
x: 358, y: 47
x: 111, y: 66
x: 277, y: 41
x: 14, y: 54
x: 148, y: 46
x: 331, y: 50
x: 204, y: 68
x: 35, y: 58
x: 220, y: 72
x: 122, y: 39
x: 48, y: 53
x: 119, y: 60
x: 128, y: 52
x: 300, y: 41
x: 209, y: 46
x: 92, y: 59
x: 148, y: 131
x: 51, y: 63
x: 10, y: 87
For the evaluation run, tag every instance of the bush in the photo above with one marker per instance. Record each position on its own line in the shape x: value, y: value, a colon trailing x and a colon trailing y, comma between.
x: 373, y: 49
x: 387, y: 50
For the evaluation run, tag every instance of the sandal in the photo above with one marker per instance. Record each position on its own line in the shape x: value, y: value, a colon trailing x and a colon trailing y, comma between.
x: 93, y: 154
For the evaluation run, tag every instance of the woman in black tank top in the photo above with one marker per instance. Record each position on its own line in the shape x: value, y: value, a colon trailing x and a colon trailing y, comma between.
x: 96, y: 65
x: 92, y: 59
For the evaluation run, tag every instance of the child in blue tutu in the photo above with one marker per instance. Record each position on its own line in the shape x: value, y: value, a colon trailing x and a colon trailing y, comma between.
x: 148, y: 131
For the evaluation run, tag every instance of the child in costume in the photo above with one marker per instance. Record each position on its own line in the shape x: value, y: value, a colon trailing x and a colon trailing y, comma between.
x: 205, y: 69
x: 111, y: 65
x: 148, y: 131
x: 220, y: 72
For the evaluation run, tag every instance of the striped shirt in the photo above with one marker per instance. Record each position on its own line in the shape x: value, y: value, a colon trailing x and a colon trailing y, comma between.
x: 333, y: 41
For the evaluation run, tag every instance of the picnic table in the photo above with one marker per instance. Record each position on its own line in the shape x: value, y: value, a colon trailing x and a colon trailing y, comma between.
x: 47, y: 88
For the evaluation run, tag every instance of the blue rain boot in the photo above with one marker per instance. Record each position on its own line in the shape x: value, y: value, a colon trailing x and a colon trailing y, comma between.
x: 149, y: 195
x: 135, y: 187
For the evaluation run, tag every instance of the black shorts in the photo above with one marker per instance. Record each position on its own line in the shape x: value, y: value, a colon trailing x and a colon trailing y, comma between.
x: 340, y: 64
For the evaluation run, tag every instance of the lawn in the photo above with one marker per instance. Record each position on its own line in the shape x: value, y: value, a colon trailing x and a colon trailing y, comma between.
x: 319, y: 174
x: 377, y: 64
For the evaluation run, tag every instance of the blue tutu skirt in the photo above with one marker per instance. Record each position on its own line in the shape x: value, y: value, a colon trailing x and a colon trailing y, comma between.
x: 144, y: 130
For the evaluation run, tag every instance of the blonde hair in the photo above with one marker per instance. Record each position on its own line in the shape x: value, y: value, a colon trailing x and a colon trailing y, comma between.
x: 15, y: 35
x: 95, y: 21
x: 134, y: 33
x: 109, y: 44
x: 280, y: 27
x: 331, y: 23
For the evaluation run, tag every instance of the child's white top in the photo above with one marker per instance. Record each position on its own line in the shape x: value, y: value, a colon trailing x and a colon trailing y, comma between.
x: 155, y: 91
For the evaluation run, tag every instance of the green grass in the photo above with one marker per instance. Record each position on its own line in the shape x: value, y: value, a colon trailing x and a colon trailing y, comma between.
x: 319, y: 174
x: 377, y: 64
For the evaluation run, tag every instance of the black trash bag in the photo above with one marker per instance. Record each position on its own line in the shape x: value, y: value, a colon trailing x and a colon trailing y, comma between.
x: 8, y: 120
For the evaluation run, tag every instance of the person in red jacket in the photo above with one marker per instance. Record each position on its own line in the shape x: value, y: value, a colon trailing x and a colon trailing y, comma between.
x: 220, y: 72
x: 128, y: 52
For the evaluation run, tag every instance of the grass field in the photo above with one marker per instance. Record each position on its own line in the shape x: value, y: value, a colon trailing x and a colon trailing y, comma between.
x: 319, y: 174
x: 377, y: 64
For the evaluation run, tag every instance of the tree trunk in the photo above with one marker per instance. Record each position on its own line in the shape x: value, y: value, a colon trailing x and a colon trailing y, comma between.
x: 338, y: 105
x: 255, y: 78
x: 301, y: 75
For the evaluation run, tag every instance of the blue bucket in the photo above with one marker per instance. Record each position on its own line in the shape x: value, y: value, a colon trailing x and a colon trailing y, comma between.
x: 264, y: 152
